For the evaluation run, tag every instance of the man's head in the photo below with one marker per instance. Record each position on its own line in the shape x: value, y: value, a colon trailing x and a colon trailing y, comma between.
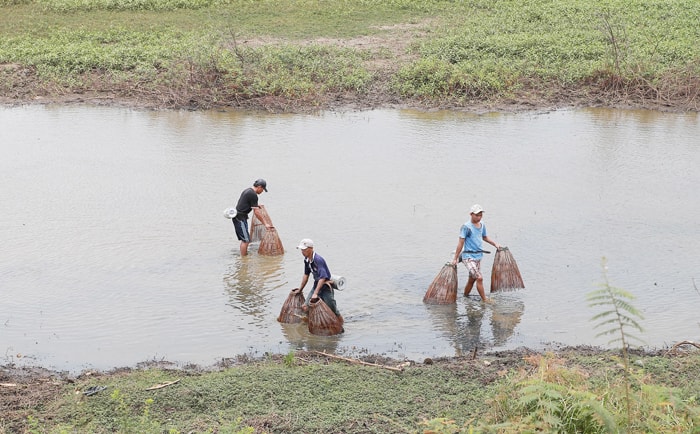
x: 476, y: 212
x: 306, y: 246
x: 259, y: 185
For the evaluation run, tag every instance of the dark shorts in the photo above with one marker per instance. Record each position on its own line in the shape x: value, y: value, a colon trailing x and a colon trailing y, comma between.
x: 325, y: 294
x: 242, y: 231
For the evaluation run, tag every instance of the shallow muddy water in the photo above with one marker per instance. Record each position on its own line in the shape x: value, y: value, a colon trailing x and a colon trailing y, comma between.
x: 115, y: 249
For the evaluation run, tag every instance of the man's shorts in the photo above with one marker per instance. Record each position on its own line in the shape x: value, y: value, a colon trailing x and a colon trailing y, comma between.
x: 474, y: 267
x: 242, y: 231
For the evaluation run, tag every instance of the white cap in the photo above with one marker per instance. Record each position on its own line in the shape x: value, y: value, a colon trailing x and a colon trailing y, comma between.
x: 476, y: 209
x: 305, y: 244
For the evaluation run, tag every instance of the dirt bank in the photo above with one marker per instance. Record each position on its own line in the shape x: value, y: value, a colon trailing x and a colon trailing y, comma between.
x: 378, y: 98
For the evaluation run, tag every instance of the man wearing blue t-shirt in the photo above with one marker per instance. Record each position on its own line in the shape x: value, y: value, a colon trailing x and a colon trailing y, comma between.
x: 469, y: 250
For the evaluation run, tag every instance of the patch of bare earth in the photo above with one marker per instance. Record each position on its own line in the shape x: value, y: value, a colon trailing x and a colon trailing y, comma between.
x: 22, y: 392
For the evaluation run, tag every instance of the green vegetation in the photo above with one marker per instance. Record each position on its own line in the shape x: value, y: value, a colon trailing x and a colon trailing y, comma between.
x: 578, y: 390
x: 302, y: 53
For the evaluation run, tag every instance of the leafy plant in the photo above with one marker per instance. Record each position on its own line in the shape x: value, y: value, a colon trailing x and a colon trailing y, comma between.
x: 620, y: 314
x: 554, y: 398
x: 617, y: 319
x: 556, y: 408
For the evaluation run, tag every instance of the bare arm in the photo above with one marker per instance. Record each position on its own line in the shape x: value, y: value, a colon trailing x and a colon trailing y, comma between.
x: 303, y: 282
x: 492, y: 242
x: 458, y: 251
x: 321, y: 282
x: 261, y: 217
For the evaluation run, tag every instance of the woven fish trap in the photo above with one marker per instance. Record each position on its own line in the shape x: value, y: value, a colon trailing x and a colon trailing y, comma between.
x: 271, y: 245
x: 291, y: 312
x: 505, y: 275
x: 257, y: 229
x: 257, y: 226
x: 322, y: 320
x: 443, y: 288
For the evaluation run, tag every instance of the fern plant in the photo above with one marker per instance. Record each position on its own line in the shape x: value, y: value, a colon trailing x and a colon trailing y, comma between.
x: 618, y: 317
x: 557, y: 408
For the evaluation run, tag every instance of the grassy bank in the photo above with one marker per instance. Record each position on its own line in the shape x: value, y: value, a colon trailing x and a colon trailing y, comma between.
x: 579, y: 390
x: 300, y: 54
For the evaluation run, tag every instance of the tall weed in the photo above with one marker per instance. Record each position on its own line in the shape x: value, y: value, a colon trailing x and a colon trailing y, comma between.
x: 618, y: 317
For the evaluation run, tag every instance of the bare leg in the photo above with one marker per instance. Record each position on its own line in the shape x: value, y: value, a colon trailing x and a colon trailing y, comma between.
x: 469, y: 286
x: 244, y: 248
x: 480, y: 288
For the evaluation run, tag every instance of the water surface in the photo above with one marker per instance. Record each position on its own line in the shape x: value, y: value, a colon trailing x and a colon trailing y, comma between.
x: 115, y: 249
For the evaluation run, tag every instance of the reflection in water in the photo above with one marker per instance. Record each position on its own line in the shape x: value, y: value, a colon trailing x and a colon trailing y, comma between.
x: 249, y: 283
x: 465, y: 330
x: 443, y: 317
x: 446, y: 319
x: 300, y: 338
x: 505, y: 316
x: 469, y: 327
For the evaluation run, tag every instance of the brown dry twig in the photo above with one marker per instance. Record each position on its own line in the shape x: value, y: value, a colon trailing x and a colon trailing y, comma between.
x: 162, y: 385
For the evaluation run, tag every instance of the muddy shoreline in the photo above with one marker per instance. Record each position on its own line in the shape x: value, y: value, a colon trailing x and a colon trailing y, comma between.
x: 15, y: 378
x: 528, y: 101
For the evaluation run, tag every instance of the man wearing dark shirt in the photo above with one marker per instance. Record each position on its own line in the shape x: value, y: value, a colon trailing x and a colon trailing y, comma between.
x: 247, y: 202
x: 316, y: 266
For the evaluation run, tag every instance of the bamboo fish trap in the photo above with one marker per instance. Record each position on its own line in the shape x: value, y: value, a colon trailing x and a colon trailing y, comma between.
x: 505, y: 275
x: 322, y: 320
x: 443, y: 289
x: 271, y: 245
x: 257, y: 226
x: 291, y: 311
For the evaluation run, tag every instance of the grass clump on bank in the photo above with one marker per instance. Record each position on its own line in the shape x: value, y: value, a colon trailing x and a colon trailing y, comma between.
x: 206, y: 53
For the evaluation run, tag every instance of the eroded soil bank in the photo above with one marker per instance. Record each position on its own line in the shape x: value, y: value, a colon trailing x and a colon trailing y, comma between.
x: 535, y: 99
